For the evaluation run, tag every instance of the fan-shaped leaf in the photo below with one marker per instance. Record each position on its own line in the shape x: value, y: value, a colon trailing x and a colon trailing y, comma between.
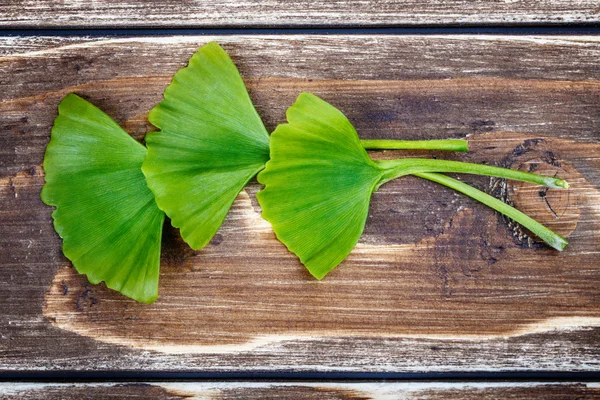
x: 319, y: 183
x: 105, y: 213
x: 212, y: 142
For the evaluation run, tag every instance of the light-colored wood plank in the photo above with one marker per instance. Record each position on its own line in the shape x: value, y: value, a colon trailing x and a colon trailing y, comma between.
x: 437, y: 281
x: 245, y: 13
x: 302, y: 390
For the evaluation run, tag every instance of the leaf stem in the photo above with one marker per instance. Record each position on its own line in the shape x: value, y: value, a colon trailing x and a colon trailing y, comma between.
x: 553, y: 239
x: 449, y: 145
x: 410, y: 166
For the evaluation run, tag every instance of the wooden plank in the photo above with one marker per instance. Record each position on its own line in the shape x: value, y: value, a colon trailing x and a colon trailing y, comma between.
x: 437, y: 283
x: 301, y: 390
x: 290, y: 13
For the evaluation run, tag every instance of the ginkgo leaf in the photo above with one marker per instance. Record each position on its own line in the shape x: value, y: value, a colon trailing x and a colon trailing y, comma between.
x: 211, y: 143
x: 107, y: 217
x: 319, y: 182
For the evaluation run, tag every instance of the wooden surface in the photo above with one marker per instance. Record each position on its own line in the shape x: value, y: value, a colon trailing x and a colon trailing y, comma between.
x: 263, y: 13
x: 301, y: 391
x: 437, y: 282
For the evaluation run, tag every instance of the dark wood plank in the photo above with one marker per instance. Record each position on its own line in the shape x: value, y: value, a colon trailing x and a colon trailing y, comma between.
x: 248, y: 13
x: 300, y: 391
x: 437, y: 282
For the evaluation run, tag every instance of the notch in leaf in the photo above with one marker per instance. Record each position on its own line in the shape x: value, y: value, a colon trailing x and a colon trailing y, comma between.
x: 212, y: 142
x: 106, y: 215
x: 319, y: 182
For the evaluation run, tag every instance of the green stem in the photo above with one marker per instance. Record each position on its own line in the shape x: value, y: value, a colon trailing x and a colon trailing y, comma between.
x: 553, y: 239
x: 410, y: 166
x: 449, y: 145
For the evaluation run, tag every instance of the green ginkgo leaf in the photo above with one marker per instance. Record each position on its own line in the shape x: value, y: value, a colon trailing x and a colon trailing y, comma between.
x: 319, y: 182
x: 211, y: 143
x: 107, y: 217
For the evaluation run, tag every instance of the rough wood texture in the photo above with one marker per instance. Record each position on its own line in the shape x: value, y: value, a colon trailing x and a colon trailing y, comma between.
x: 437, y: 282
x: 244, y: 13
x: 301, y: 391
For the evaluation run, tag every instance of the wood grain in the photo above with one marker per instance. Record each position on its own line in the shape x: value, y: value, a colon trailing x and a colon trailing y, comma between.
x: 437, y: 282
x: 301, y: 391
x: 247, y: 13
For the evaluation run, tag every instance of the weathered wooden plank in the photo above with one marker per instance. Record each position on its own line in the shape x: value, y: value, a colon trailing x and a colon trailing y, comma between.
x: 229, y: 13
x: 437, y: 281
x: 301, y: 390
x: 12, y: 45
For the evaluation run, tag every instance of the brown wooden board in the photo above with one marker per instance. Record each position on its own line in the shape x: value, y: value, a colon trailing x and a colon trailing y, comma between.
x: 437, y: 282
x: 301, y: 391
x: 289, y: 13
